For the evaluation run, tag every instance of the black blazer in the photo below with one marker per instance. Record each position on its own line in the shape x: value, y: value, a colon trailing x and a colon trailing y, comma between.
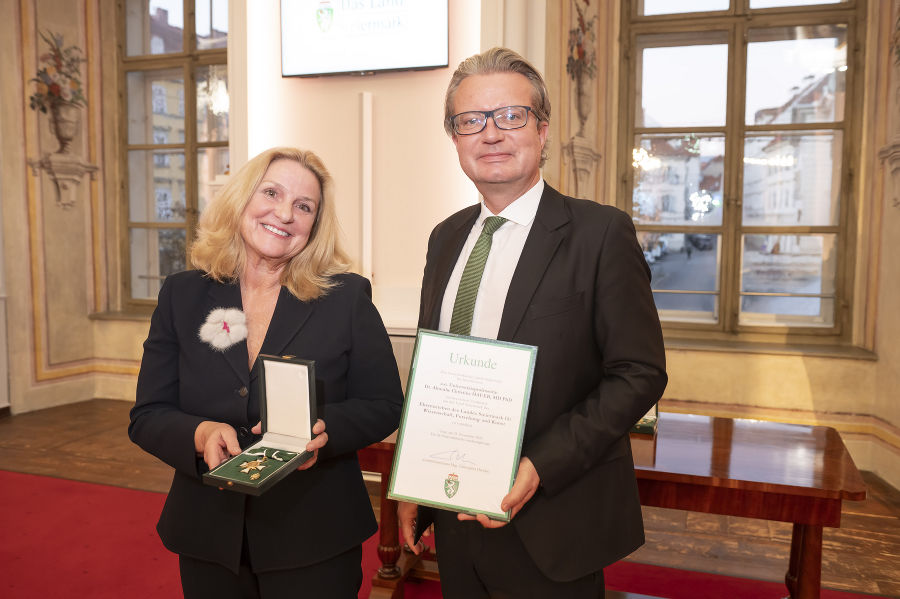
x: 310, y: 515
x: 581, y: 294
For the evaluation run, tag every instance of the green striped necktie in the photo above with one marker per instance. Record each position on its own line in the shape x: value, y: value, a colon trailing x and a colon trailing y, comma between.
x: 464, y: 307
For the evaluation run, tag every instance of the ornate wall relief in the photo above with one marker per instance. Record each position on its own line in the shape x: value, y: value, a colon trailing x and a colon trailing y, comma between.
x: 581, y: 69
x: 58, y: 93
x: 55, y: 217
x: 891, y: 152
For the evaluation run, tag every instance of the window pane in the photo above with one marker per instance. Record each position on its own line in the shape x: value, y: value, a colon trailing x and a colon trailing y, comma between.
x: 682, y: 80
x: 665, y: 7
x: 796, y: 75
x: 212, y: 170
x: 156, y: 27
x: 212, y: 103
x: 779, y: 3
x: 787, y: 311
x: 683, y: 266
x: 788, y: 279
x: 156, y: 186
x: 678, y: 179
x: 211, y: 23
x: 155, y: 107
x: 155, y: 254
x: 792, y: 179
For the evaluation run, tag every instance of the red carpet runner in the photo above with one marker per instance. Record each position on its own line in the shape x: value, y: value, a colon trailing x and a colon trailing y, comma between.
x: 66, y: 539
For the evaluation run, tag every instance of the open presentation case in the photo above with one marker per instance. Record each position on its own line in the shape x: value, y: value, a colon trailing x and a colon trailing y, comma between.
x: 287, y: 400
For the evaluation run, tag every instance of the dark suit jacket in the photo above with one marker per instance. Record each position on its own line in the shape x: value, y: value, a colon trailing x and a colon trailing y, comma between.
x: 581, y: 294
x: 310, y: 515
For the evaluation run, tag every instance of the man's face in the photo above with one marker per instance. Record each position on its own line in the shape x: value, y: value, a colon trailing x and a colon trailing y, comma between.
x: 499, y: 160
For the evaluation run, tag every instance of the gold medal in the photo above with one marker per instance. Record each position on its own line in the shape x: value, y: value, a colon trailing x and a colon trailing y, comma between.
x: 254, y: 465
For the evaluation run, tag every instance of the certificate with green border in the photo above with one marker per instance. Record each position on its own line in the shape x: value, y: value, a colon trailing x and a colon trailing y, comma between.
x: 460, y: 435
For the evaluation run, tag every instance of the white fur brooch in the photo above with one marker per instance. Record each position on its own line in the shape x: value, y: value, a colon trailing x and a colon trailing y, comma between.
x: 224, y: 327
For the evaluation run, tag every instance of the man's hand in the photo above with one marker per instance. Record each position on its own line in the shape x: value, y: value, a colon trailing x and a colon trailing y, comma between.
x: 523, y: 489
x: 216, y: 442
x: 314, y: 446
x: 406, y: 516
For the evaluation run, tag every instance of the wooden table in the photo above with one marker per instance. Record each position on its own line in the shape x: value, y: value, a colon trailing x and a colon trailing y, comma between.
x: 734, y: 467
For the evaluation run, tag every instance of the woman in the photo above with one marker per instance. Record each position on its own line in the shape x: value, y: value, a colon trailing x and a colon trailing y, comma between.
x: 267, y: 252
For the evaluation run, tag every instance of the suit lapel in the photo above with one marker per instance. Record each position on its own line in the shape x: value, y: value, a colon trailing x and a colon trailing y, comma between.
x: 287, y: 320
x: 546, y: 234
x: 228, y: 295
x: 289, y: 317
x: 447, y: 254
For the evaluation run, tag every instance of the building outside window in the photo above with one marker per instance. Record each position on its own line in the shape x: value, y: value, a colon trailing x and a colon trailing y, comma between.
x: 175, y: 136
x: 738, y: 134
x: 159, y: 99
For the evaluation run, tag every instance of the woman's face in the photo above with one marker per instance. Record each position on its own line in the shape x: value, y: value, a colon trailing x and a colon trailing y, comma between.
x: 279, y: 218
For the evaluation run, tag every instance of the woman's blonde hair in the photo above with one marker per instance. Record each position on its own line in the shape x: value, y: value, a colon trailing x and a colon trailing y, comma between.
x: 219, y: 248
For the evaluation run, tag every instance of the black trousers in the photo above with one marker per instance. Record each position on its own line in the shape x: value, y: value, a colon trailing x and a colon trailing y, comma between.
x: 338, y: 577
x: 480, y: 563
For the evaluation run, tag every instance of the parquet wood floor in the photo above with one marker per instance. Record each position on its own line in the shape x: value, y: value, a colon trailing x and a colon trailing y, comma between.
x: 88, y: 441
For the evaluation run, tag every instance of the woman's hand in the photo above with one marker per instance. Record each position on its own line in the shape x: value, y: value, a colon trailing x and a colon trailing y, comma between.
x: 314, y: 446
x: 216, y: 442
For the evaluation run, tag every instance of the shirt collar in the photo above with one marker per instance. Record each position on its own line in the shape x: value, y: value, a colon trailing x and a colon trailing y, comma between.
x: 522, y: 211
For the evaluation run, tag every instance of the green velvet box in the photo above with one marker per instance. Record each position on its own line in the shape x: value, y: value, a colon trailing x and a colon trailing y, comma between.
x: 647, y: 424
x: 287, y: 401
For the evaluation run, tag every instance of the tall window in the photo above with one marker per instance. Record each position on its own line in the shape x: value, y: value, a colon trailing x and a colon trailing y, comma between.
x: 738, y: 139
x: 175, y: 135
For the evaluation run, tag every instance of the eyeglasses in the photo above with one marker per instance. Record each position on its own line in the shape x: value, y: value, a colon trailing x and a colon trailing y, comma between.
x: 508, y: 117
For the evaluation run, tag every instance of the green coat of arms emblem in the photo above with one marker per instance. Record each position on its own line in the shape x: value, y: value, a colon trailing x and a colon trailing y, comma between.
x: 324, y: 15
x: 451, y: 485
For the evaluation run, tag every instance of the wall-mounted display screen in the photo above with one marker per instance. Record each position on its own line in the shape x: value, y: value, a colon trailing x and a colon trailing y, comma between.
x: 330, y: 37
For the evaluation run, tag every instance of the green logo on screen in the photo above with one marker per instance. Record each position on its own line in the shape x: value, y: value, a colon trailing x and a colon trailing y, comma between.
x: 324, y: 15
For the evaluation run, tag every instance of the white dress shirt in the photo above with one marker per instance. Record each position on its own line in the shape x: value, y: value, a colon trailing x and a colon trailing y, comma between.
x: 506, y: 247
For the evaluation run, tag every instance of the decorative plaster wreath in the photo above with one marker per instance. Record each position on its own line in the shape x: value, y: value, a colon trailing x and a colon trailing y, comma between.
x: 223, y: 328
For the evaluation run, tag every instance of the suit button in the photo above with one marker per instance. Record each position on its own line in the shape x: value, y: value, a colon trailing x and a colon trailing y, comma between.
x: 243, y: 391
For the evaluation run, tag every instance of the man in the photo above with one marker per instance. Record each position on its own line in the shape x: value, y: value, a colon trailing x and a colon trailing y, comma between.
x: 569, y: 277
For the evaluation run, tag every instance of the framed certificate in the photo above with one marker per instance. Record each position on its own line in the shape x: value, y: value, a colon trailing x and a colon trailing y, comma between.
x: 287, y: 398
x: 460, y: 435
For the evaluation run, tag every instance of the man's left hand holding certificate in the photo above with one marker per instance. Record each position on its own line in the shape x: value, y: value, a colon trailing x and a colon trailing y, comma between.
x: 460, y: 436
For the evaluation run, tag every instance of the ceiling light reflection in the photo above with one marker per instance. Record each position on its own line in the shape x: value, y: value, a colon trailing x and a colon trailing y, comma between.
x: 643, y: 160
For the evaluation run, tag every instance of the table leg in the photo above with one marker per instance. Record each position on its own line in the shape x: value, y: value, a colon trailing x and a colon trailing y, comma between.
x: 396, y: 564
x: 790, y: 578
x: 388, y: 536
x: 804, y: 576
